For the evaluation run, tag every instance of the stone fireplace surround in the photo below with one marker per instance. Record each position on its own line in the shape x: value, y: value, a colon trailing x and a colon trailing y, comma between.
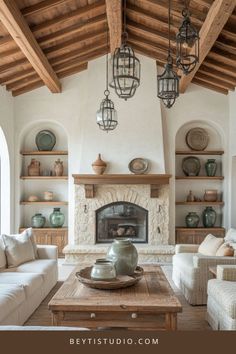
x: 94, y: 192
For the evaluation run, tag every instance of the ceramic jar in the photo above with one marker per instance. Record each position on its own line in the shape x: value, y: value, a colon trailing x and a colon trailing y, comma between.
x: 48, y: 195
x: 99, y: 166
x: 34, y: 168
x: 209, y: 217
x: 103, y: 269
x: 125, y: 256
x: 38, y: 221
x: 192, y: 219
x: 190, y: 197
x: 33, y: 198
x: 58, y: 167
x: 57, y: 218
x: 211, y: 167
x: 211, y: 195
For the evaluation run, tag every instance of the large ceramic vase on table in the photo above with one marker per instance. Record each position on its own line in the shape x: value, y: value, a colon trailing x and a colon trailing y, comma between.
x: 192, y: 219
x: 57, y: 218
x: 209, y: 217
x: 211, y: 167
x: 125, y: 256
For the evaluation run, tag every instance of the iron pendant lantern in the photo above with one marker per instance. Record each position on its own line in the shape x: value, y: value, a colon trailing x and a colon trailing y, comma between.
x: 187, y: 42
x: 107, y: 115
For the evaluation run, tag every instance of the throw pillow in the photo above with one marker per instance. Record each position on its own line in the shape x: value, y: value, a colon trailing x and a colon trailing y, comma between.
x: 18, y: 249
x: 230, y: 235
x: 29, y: 232
x: 3, y: 261
x: 210, y: 245
x: 225, y: 250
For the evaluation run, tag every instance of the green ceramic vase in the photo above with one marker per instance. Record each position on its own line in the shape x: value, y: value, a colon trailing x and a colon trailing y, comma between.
x: 125, y: 256
x: 192, y: 219
x: 211, y: 167
x: 38, y: 221
x: 209, y: 217
x: 57, y: 218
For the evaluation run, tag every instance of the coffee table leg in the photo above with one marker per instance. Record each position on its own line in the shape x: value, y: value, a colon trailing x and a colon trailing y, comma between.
x: 171, y: 321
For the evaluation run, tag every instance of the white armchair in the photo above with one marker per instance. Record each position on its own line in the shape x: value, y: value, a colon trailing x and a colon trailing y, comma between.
x: 221, y: 302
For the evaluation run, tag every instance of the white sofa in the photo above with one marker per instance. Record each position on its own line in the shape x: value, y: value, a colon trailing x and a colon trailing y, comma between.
x: 221, y: 302
x: 23, y: 288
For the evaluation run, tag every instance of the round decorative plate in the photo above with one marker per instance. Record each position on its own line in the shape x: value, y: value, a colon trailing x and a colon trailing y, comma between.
x: 45, y: 140
x: 191, y: 166
x: 138, y: 166
x: 197, y: 139
x: 121, y: 281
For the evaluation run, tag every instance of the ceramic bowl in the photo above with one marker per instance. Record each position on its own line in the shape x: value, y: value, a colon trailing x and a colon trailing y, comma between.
x: 33, y: 198
x: 103, y: 269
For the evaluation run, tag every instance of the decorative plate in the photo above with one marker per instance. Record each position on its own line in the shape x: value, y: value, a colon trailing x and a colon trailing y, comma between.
x: 197, y: 139
x: 121, y: 281
x: 191, y: 166
x: 138, y: 166
x: 45, y: 140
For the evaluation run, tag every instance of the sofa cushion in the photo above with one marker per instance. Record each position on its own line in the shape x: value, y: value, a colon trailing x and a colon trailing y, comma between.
x: 230, y: 236
x: 184, y: 260
x: 43, y: 267
x: 225, y: 250
x: 3, y: 260
x: 11, y: 296
x: 210, y: 245
x: 18, y: 249
x: 224, y: 293
x: 30, y: 282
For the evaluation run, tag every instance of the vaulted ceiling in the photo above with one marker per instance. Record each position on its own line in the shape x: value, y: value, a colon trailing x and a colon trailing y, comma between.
x: 44, y: 41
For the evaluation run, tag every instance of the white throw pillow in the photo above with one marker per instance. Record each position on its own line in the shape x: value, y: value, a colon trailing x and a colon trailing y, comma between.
x: 231, y: 235
x: 3, y: 260
x: 18, y: 249
x: 210, y: 245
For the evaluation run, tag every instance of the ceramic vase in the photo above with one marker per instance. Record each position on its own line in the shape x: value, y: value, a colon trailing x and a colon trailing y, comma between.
x: 190, y: 197
x: 209, y: 217
x: 211, y: 167
x: 103, y: 269
x: 38, y: 221
x: 125, y: 256
x: 34, y: 168
x: 192, y: 219
x: 211, y: 195
x: 58, y: 167
x: 99, y: 166
x: 48, y: 196
x: 57, y: 218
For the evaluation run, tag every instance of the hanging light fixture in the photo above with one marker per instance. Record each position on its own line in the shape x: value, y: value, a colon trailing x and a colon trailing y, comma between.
x: 125, y: 68
x: 168, y: 81
x: 107, y: 115
x: 187, y: 41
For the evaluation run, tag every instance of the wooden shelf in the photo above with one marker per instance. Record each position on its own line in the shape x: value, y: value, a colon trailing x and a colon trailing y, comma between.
x: 44, y: 177
x: 44, y: 153
x: 205, y: 152
x: 182, y: 228
x: 44, y: 228
x: 200, y: 203
x: 215, y: 178
x: 43, y: 203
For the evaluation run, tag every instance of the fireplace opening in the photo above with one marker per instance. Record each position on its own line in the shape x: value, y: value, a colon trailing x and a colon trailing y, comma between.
x: 121, y: 219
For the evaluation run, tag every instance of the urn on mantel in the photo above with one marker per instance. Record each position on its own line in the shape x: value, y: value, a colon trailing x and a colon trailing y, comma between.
x: 99, y: 166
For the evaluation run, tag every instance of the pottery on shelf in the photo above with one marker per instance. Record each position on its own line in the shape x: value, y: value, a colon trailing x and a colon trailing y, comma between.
x: 58, y: 168
x: 211, y: 167
x: 33, y: 198
x: 34, y: 168
x: 211, y: 195
x: 57, y: 218
x: 48, y: 196
x: 38, y: 221
x: 209, y: 217
x: 192, y: 219
x: 190, y: 197
x: 45, y: 140
x: 103, y: 269
x: 191, y: 166
x: 125, y: 256
x: 99, y: 165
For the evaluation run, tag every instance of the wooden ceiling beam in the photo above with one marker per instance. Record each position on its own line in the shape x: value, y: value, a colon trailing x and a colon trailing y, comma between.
x: 114, y: 19
x: 16, y: 25
x: 222, y: 56
x: 217, y: 17
x: 217, y: 74
x: 42, y: 6
x: 209, y: 86
x: 215, y: 81
x: 74, y: 70
x: 226, y: 69
x: 27, y: 88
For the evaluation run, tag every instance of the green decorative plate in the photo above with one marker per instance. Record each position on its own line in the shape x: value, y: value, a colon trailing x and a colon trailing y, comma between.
x: 45, y: 140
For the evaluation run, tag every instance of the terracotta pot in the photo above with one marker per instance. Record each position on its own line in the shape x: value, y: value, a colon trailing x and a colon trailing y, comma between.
x: 58, y: 167
x: 99, y: 165
x: 210, y: 195
x: 34, y: 168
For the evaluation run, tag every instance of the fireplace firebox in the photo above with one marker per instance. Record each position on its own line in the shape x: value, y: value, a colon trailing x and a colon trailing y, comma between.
x: 121, y: 219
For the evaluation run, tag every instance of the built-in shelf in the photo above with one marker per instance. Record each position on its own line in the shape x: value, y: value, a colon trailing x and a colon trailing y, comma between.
x: 44, y: 177
x: 44, y: 153
x: 51, y: 203
x: 200, y: 203
x: 44, y: 228
x: 205, y: 152
x: 182, y: 228
x: 219, y: 178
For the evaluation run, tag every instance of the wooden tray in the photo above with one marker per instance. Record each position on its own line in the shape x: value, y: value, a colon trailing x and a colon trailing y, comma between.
x: 122, y: 281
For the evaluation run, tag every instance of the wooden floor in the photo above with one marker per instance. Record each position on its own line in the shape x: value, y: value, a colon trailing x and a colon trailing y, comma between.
x: 191, y: 319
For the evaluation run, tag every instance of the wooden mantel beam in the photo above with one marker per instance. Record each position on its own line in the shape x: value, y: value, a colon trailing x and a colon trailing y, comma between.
x: 216, y: 19
x: 18, y: 28
x: 114, y: 19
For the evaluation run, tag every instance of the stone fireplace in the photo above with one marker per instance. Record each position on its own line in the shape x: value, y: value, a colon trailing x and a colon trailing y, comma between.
x: 111, y: 206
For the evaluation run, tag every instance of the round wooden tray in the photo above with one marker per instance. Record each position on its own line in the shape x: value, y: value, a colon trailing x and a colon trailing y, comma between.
x: 122, y: 281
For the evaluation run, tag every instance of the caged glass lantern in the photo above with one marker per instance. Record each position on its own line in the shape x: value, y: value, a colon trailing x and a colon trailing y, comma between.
x: 187, y: 42
x: 107, y: 115
x: 168, y: 84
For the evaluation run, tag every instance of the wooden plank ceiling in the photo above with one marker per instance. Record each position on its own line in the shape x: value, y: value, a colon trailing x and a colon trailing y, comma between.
x: 44, y: 41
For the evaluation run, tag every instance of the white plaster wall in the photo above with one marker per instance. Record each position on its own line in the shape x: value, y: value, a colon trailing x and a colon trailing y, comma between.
x: 232, y: 159
x: 139, y: 133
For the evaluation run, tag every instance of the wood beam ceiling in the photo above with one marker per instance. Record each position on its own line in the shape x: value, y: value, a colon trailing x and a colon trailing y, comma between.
x: 216, y: 19
x: 18, y: 28
x: 114, y: 19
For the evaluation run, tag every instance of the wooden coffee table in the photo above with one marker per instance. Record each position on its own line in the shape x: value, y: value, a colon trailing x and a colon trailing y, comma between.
x: 150, y: 304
